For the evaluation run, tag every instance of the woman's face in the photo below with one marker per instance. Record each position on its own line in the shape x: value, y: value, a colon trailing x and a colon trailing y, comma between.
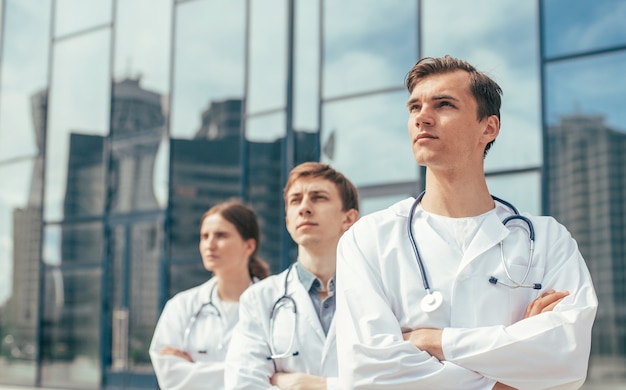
x: 221, y: 246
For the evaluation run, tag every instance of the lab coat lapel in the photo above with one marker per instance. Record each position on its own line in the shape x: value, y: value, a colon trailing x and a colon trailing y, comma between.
x: 306, y: 311
x: 490, y: 233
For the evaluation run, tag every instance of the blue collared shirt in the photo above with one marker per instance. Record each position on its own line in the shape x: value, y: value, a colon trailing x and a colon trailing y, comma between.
x: 325, y: 309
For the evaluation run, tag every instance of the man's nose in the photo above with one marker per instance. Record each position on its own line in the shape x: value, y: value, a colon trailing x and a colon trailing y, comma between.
x: 424, y: 117
x: 305, y: 206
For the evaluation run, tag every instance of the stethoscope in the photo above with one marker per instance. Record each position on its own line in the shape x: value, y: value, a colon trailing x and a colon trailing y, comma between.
x: 284, y: 301
x: 433, y: 299
x: 194, y: 318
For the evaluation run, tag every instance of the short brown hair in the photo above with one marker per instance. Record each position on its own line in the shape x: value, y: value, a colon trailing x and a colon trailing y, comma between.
x: 347, y: 190
x: 486, y: 91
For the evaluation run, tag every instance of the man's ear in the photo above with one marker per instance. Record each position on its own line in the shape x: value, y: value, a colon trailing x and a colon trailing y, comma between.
x: 350, y: 218
x: 492, y: 128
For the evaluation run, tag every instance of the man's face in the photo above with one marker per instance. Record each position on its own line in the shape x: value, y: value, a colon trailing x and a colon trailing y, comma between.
x: 314, y: 214
x: 443, y: 123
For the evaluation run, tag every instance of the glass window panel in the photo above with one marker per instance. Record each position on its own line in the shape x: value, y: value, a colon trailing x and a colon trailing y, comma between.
x: 142, y: 45
x: 588, y: 86
x: 138, y: 179
x: 204, y: 172
x: 208, y: 64
x: 20, y: 224
x: 136, y: 252
x: 77, y: 123
x: 306, y: 59
x: 77, y: 243
x: 367, y: 139
x: 513, y: 67
x: 23, y: 74
x: 587, y: 188
x: 368, y: 45
x: 266, y: 128
x: 522, y: 190
x: 574, y: 26
x: 186, y: 276
x: 75, y: 15
x: 70, y: 347
x: 267, y: 59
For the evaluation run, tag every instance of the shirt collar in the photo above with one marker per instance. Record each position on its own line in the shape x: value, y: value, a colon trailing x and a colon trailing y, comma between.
x: 311, y: 282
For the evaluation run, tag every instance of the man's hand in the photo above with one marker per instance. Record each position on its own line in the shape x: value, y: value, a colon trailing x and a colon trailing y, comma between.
x: 546, y: 302
x: 175, y: 352
x: 428, y: 340
x: 298, y: 381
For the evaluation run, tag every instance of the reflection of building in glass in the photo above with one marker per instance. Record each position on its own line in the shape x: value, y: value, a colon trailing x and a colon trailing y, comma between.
x: 208, y: 169
x: 587, y: 192
x: 136, y: 131
x: 22, y: 307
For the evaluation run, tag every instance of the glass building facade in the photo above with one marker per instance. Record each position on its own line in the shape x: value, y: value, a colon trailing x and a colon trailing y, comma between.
x: 121, y: 122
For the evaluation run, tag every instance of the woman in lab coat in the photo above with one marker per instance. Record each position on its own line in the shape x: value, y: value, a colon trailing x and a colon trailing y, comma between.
x: 192, y: 335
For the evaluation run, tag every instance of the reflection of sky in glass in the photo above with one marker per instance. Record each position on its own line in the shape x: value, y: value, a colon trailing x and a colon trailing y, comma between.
x: 517, y: 189
x: 369, y: 44
x: 579, y: 25
x: 15, y: 179
x: 589, y: 86
x: 209, y: 62
x: 142, y: 44
x: 79, y: 102
x: 371, y: 139
x: 24, y: 71
x: 268, y: 48
x: 501, y: 40
x: 306, y: 62
x: 266, y: 128
x: 76, y: 15
x: 52, y: 245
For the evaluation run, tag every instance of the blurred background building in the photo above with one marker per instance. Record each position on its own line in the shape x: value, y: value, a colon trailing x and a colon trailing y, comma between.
x: 121, y: 122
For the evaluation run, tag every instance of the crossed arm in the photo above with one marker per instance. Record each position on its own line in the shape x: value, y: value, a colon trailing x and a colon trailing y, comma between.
x: 429, y: 340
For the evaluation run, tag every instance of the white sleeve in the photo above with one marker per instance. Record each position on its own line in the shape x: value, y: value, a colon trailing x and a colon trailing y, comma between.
x: 550, y: 350
x: 174, y: 373
x: 372, y: 353
x: 247, y: 366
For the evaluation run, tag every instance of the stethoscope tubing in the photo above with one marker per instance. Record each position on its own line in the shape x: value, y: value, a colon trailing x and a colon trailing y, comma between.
x: 275, y: 307
x: 194, y: 317
x: 516, y: 216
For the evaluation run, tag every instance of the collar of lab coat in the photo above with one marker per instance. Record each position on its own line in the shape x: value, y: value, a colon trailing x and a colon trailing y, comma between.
x: 491, y: 232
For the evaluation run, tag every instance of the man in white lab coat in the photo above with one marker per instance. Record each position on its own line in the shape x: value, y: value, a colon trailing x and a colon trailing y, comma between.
x: 290, y: 342
x: 459, y: 319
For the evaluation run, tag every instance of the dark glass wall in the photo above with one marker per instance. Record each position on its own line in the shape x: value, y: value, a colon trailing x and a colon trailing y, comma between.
x: 584, y: 54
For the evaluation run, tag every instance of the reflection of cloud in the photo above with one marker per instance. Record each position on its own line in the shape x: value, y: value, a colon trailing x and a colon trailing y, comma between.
x: 209, y: 60
x: 593, y: 25
x: 372, y: 145
x: 24, y: 70
x: 596, y: 85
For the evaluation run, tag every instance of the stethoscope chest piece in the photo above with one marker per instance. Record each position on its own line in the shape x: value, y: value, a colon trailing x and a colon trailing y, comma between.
x: 431, y: 302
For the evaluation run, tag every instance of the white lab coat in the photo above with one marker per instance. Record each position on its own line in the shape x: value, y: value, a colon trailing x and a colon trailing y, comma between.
x: 484, y: 338
x: 247, y: 366
x: 208, y: 340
